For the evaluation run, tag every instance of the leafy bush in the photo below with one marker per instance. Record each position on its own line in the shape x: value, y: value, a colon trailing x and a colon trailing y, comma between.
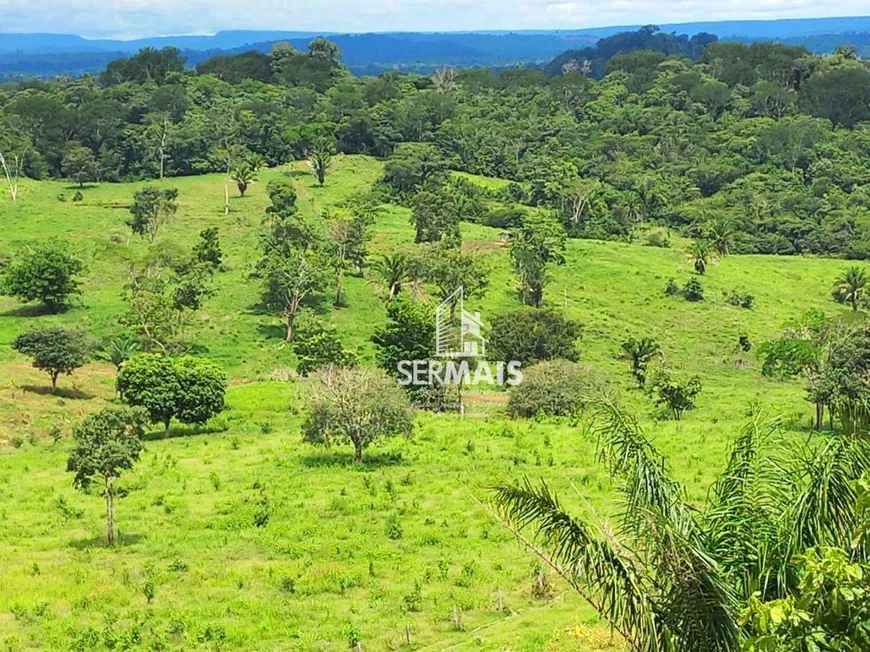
x: 674, y: 392
x: 658, y: 239
x: 693, y: 290
x: 672, y: 289
x: 554, y: 388
x: 740, y: 299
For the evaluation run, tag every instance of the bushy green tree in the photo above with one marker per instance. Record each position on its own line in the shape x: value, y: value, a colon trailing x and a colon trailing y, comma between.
x: 188, y: 389
x: 106, y: 444
x: 54, y: 350
x: 79, y: 165
x: 530, y: 335
x: 316, y: 347
x: 674, y: 391
x: 45, y: 271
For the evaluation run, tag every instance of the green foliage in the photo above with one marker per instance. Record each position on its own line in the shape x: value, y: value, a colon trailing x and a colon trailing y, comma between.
x: 244, y: 174
x: 740, y: 299
x: 152, y: 208
x: 79, y: 164
x: 829, y: 611
x: 674, y: 391
x: 46, y: 271
x: 316, y: 347
x: 693, y: 290
x: 356, y: 406
x: 640, y: 353
x: 54, y: 350
x: 450, y: 268
x: 537, y: 244
x: 530, y: 335
x: 208, y: 249
x: 557, y: 388
x: 106, y: 444
x: 320, y: 159
x: 850, y: 287
x: 188, y: 389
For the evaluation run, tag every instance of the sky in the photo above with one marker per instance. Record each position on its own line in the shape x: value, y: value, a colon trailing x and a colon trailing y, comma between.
x: 140, y: 18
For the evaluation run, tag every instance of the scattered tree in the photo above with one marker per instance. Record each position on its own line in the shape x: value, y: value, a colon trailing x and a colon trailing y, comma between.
x: 537, y: 244
x: 79, y: 165
x: 320, y: 159
x: 106, y: 444
x: 530, y: 335
x: 54, y: 350
x: 556, y: 388
x: 46, y: 271
x: 358, y: 406
x: 850, y: 287
x: 677, y: 393
x: 188, y: 389
x: 640, y: 353
x: 244, y: 175
x: 152, y: 208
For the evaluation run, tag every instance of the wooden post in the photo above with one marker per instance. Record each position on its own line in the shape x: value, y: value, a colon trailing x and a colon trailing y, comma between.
x: 500, y: 601
x: 408, y: 634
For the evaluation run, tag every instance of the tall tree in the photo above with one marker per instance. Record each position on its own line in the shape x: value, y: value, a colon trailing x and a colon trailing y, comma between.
x: 106, y: 444
x: 536, y: 244
x: 152, y: 208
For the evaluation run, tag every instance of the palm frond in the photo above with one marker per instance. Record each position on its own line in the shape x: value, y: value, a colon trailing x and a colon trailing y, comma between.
x: 609, y: 577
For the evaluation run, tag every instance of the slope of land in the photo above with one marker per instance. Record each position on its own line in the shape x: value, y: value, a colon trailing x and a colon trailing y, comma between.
x: 331, y: 566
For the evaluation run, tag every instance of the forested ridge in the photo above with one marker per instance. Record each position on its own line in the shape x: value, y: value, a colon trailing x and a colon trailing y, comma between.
x: 759, y: 148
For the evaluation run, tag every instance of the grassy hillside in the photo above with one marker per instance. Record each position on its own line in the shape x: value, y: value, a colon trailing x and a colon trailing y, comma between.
x: 348, y: 551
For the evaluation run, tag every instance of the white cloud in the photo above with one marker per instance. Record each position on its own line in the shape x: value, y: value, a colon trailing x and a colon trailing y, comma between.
x: 133, y: 18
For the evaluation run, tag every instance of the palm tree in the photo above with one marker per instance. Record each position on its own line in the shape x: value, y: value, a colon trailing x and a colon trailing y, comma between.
x: 244, y: 175
x: 669, y: 577
x: 394, y: 271
x: 699, y: 254
x: 640, y: 353
x: 320, y: 160
x: 719, y: 232
x: 850, y: 286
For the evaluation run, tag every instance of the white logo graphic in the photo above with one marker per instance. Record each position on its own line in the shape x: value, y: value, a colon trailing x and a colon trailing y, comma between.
x: 458, y: 338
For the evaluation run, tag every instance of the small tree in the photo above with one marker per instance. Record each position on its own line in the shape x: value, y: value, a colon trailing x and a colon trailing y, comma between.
x: 530, y: 335
x: 244, y: 175
x: 152, y: 208
x: 106, y: 444
x: 357, y: 406
x: 693, y: 290
x: 320, y: 159
x: 187, y: 388
x: 393, y: 271
x: 640, y: 353
x: 289, y: 280
x: 208, y: 249
x: 315, y: 348
x: 449, y: 268
x: 12, y: 164
x: 79, y: 165
x: 675, y: 392
x: 54, y: 350
x: 537, y: 244
x: 699, y: 253
x: 850, y: 287
x: 46, y: 272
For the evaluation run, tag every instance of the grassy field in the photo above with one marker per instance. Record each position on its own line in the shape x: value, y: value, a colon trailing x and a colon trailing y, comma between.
x: 348, y: 552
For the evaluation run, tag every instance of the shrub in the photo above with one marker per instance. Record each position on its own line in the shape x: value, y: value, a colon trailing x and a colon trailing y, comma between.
x: 693, y: 290
x: 672, y: 289
x: 658, y: 239
x: 315, y: 347
x: 675, y: 392
x: 556, y: 388
x: 740, y: 299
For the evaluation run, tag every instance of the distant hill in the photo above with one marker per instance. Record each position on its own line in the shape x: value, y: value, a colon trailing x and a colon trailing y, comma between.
x: 64, y: 54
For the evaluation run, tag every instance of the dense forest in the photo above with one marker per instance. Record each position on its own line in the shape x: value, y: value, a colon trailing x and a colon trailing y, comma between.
x: 759, y: 148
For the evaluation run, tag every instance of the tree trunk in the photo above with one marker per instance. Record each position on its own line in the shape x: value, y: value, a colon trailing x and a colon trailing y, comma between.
x: 166, y: 428
x: 357, y: 452
x: 54, y: 375
x: 110, y: 513
x: 820, y: 415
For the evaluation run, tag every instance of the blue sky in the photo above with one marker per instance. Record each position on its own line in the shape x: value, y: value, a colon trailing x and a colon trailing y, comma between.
x: 137, y: 18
